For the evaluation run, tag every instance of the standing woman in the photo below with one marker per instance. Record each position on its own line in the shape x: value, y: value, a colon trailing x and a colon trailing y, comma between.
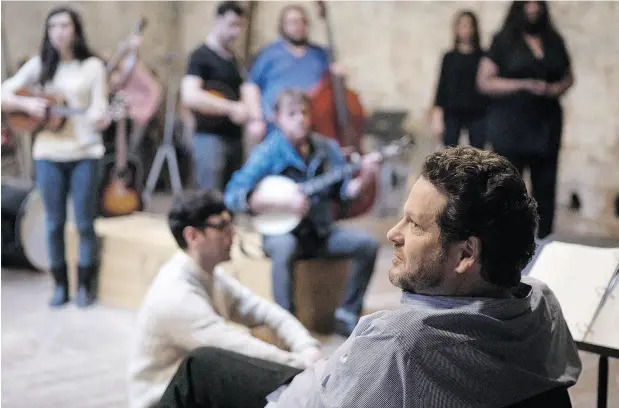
x: 67, y: 161
x: 526, y: 71
x: 458, y: 104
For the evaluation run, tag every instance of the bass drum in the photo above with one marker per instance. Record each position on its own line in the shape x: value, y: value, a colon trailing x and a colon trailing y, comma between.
x: 30, y: 231
x: 13, y: 193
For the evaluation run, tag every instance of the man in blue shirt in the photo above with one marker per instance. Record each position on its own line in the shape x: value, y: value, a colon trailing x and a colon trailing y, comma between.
x: 291, y: 62
x: 292, y: 150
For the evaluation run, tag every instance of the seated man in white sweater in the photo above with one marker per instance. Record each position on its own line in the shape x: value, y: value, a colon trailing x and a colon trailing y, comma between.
x: 191, y: 302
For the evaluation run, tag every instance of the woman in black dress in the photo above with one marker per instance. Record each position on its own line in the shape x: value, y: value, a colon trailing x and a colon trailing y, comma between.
x: 526, y: 70
x: 458, y: 104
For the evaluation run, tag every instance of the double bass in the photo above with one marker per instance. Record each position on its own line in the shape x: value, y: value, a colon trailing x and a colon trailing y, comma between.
x: 337, y: 113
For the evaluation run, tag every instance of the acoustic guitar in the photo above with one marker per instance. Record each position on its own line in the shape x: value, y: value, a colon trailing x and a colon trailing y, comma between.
x: 278, y: 222
x: 55, y: 117
x: 122, y: 177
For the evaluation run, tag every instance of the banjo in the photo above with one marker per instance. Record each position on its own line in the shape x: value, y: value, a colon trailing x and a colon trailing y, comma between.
x: 278, y: 222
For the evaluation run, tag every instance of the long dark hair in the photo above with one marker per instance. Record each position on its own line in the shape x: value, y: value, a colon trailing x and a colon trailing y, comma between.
x: 516, y: 19
x: 50, y: 56
x: 475, y: 37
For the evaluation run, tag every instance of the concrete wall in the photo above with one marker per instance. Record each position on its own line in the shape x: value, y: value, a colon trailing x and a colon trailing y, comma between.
x: 392, y: 51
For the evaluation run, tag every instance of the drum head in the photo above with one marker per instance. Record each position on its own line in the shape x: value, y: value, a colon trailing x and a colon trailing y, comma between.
x: 33, y: 231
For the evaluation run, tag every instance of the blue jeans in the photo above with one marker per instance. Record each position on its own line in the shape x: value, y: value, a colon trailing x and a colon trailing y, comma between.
x: 341, y: 243
x: 216, y: 158
x: 54, y: 181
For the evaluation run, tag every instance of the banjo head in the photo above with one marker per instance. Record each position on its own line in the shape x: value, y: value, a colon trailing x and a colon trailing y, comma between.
x: 275, y: 223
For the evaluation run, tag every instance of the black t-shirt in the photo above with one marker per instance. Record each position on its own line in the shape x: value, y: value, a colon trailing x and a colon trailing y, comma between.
x: 523, y: 122
x: 457, y: 90
x: 223, y: 76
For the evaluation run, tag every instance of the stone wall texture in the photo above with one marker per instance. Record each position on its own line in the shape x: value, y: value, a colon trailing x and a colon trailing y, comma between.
x: 392, y: 52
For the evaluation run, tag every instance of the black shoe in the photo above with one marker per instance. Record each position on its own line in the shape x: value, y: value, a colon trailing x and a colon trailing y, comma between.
x: 61, y: 296
x: 61, y: 291
x: 86, y: 292
x: 84, y: 297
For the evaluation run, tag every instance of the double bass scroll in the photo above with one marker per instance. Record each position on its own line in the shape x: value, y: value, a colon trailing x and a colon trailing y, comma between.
x: 337, y: 113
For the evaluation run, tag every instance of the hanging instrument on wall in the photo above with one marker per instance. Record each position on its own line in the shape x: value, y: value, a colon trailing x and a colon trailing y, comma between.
x: 142, y: 92
x: 122, y: 177
x: 337, y: 113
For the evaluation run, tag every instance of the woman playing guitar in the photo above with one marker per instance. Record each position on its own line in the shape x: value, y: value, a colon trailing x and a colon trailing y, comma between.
x: 66, y: 160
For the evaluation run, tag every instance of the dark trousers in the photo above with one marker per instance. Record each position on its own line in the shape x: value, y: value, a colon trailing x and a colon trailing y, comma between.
x: 544, y: 182
x: 475, y: 125
x: 216, y: 158
x: 214, y: 378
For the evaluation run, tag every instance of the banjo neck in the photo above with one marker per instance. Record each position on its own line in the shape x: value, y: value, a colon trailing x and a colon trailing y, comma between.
x: 324, y: 181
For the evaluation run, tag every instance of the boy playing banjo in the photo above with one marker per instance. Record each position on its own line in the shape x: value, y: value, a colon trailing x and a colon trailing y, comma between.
x: 294, y: 151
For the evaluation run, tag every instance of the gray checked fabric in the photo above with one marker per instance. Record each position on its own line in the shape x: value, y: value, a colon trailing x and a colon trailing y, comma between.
x: 442, y: 352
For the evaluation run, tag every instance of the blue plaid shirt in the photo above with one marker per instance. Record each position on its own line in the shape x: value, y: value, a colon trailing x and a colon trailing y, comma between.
x: 276, y: 156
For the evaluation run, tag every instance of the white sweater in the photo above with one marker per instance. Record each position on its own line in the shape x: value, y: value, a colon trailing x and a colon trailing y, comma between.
x: 83, y: 85
x: 186, y: 308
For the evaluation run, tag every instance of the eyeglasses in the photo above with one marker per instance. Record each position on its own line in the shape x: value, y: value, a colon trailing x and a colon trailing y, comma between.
x: 219, y: 226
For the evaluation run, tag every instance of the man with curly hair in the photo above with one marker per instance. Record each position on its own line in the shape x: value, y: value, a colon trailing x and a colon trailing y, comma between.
x: 470, y: 332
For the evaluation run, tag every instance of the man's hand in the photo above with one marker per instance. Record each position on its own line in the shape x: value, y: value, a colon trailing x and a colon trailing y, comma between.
x: 239, y: 113
x: 370, y: 165
x: 338, y: 69
x: 256, y: 130
x: 309, y: 356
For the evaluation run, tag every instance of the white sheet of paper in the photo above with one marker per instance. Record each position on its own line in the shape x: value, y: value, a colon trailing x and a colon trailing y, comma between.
x: 578, y: 275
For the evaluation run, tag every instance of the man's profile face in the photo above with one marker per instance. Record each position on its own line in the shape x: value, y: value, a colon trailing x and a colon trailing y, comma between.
x: 419, y: 262
x: 229, y: 27
x: 214, y: 241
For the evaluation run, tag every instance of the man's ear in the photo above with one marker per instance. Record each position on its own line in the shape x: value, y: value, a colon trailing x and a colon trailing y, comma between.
x: 189, y: 234
x: 470, y: 254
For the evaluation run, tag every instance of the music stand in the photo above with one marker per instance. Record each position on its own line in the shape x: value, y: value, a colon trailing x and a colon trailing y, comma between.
x: 386, y: 125
x: 166, y: 150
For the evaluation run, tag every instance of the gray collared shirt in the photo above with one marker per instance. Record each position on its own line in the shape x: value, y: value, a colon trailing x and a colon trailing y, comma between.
x: 445, y: 352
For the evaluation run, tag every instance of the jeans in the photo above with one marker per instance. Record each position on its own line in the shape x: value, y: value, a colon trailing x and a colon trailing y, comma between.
x: 341, y: 243
x: 476, y: 127
x: 214, y: 378
x: 54, y: 181
x: 216, y: 158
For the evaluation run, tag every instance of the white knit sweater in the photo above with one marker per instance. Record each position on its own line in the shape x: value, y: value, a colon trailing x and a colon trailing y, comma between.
x: 186, y: 308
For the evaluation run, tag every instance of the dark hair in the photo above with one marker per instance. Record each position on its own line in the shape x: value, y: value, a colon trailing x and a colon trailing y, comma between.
x: 516, y: 19
x: 475, y: 38
x: 486, y: 198
x: 233, y: 6
x: 192, y: 210
x: 292, y: 96
x: 50, y: 56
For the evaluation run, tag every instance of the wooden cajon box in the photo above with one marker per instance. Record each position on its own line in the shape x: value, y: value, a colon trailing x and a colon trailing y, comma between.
x: 319, y: 283
x: 132, y: 249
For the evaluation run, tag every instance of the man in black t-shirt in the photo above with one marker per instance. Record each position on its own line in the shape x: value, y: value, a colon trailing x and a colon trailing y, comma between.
x: 211, y: 88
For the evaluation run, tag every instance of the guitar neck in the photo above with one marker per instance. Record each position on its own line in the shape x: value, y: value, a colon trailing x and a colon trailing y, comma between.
x: 121, y: 144
x: 325, y: 181
x: 65, y: 111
